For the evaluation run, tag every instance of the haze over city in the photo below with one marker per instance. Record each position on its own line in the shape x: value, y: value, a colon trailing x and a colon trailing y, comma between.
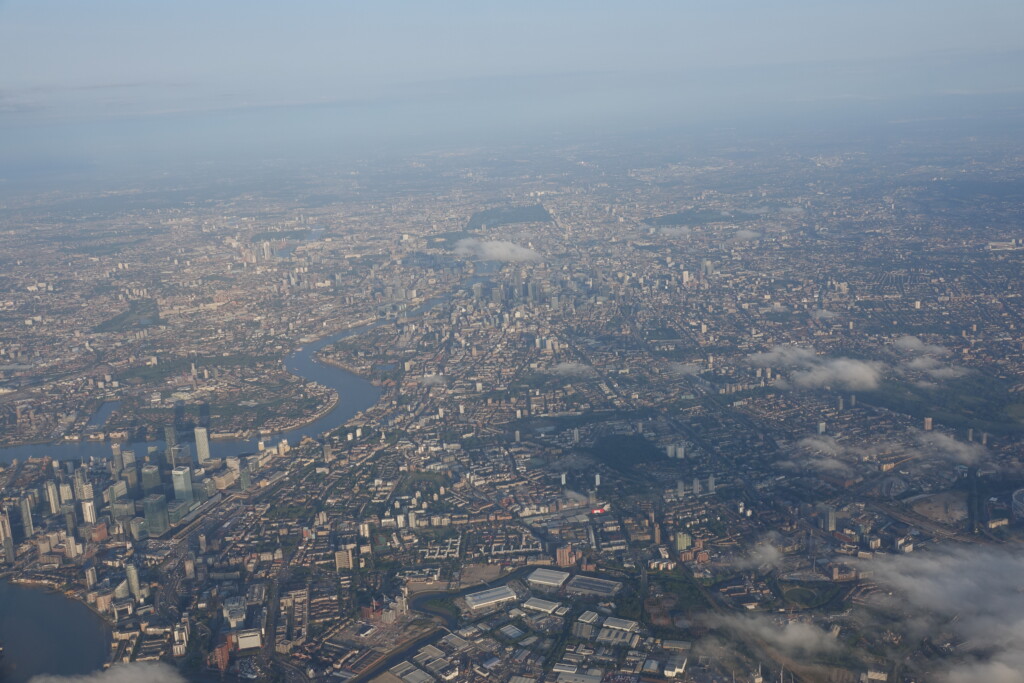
x: 529, y: 342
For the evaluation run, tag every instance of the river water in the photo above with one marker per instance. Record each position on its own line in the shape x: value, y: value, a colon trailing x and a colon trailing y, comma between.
x: 46, y: 633
x: 354, y: 395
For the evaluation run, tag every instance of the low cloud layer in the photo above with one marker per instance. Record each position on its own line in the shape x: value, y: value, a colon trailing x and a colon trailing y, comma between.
x: 911, y: 344
x: 820, y: 454
x: 808, y: 370
x: 938, y: 445
x: 120, y: 673
x: 975, y: 592
x: 498, y: 250
x: 745, y: 235
x: 685, y: 369
x: 432, y: 380
x: 921, y: 358
x: 794, y: 638
x: 763, y: 555
x: 933, y: 368
x: 572, y: 369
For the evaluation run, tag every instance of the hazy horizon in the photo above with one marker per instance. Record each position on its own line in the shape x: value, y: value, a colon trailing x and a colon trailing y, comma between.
x: 118, y: 84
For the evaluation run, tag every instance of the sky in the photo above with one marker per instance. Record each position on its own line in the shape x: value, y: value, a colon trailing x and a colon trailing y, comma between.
x: 88, y: 80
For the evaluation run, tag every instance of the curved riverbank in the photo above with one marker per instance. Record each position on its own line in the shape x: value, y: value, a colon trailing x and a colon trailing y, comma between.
x: 47, y: 632
x: 355, y: 394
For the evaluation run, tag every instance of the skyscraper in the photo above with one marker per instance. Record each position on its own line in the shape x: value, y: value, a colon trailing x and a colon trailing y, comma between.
x: 122, y: 510
x: 52, y: 497
x: 151, y: 480
x: 134, y: 587
x: 89, y: 511
x: 182, y: 479
x: 130, y: 477
x: 170, y: 437
x: 154, y: 507
x: 829, y: 520
x: 26, y: 517
x: 70, y: 518
x: 118, y: 465
x: 6, y: 538
x: 202, y: 446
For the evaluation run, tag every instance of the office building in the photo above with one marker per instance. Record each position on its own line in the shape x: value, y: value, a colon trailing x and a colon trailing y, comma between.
x: 122, y: 510
x: 151, y: 480
x: 345, y: 558
x: 134, y: 586
x: 70, y: 519
x: 181, y: 477
x: 52, y: 497
x: 170, y: 437
x: 130, y: 477
x: 117, y: 491
x: 137, y: 528
x: 118, y: 462
x: 177, y: 511
x: 175, y: 456
x: 202, y: 446
x: 26, y: 517
x: 6, y: 538
x: 154, y: 507
x: 89, y: 511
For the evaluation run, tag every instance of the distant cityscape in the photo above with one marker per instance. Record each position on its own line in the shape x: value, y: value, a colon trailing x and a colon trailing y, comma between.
x: 721, y: 411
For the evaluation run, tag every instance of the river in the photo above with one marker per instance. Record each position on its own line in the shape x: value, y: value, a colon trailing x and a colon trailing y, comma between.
x: 44, y: 632
x: 354, y: 395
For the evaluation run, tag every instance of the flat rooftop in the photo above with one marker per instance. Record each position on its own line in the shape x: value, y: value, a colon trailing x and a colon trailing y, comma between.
x: 588, y: 585
x: 491, y: 596
x: 548, y: 577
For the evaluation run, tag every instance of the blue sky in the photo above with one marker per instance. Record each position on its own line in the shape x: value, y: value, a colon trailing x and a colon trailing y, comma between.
x: 64, y: 61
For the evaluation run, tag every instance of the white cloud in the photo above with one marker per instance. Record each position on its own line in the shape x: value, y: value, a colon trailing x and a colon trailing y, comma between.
x: 933, y: 367
x: 841, y: 372
x: 824, y: 454
x: 763, y: 555
x: 745, y: 235
x: 822, y: 314
x: 912, y: 344
x: 936, y: 444
x: 432, y: 380
x: 977, y: 593
x: 121, y: 673
x: 823, y: 445
x: 809, y: 370
x: 783, y: 356
x: 684, y: 369
x: 572, y: 369
x: 497, y: 250
x: 795, y: 638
